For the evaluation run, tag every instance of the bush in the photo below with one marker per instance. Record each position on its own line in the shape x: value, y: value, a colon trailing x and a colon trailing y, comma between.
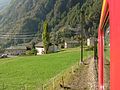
x: 34, y: 51
x: 31, y: 52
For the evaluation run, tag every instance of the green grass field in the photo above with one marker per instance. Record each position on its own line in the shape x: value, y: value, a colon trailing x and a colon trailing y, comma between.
x: 35, y: 70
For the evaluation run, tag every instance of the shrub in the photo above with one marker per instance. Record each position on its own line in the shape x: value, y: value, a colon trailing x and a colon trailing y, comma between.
x: 31, y: 52
x: 34, y: 51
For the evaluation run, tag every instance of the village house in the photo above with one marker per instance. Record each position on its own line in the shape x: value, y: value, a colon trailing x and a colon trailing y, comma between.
x: 16, y: 50
x: 40, y: 48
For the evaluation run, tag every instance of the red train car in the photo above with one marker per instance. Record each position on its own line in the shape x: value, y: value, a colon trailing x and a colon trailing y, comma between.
x: 111, y: 9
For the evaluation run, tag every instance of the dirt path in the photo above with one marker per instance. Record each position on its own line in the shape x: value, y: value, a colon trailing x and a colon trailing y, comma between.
x: 85, y: 78
x: 107, y: 75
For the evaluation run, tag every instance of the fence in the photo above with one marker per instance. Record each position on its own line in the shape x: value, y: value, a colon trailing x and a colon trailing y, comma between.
x: 61, y: 79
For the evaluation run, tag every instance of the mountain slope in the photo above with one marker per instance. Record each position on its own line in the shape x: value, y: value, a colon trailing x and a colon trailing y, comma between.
x: 23, y: 16
x: 23, y: 19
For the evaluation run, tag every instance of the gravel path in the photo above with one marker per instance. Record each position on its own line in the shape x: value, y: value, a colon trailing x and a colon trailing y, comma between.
x: 91, y: 76
x: 107, y: 75
x: 85, y: 78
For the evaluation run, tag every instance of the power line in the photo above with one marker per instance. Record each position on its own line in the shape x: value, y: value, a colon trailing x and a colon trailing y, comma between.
x: 18, y: 37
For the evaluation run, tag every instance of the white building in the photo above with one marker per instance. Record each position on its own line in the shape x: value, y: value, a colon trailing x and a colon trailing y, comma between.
x: 90, y: 41
x: 40, y: 49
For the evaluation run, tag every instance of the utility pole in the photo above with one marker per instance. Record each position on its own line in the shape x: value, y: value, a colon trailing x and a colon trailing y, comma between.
x: 95, y: 36
x: 81, y: 48
x: 82, y: 23
x: 95, y: 48
x: 53, y: 32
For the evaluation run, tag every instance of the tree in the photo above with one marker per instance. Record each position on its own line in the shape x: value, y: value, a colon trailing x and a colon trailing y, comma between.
x: 2, y: 50
x: 45, y: 36
x: 33, y: 45
x: 82, y: 22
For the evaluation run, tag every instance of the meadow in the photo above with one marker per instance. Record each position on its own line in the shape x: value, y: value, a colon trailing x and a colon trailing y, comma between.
x: 36, y: 70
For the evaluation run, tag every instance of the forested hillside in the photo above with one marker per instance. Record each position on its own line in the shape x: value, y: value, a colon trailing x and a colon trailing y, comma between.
x: 22, y: 21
